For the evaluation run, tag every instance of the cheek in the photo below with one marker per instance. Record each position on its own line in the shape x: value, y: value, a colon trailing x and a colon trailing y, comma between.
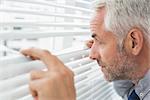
x: 108, y: 54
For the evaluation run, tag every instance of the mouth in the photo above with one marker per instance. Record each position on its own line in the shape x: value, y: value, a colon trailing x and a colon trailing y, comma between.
x: 102, y: 66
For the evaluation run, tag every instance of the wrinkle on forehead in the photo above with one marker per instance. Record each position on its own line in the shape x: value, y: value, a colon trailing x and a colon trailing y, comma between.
x: 99, y: 16
x: 97, y: 25
x: 97, y: 21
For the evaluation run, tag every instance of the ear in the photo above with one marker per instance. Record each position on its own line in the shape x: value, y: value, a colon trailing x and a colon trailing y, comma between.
x: 135, y: 41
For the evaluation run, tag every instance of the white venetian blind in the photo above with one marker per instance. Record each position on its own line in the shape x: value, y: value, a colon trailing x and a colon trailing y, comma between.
x: 60, y: 26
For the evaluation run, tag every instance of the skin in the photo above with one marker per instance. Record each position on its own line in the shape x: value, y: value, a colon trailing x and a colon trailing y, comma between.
x: 55, y: 84
x: 129, y: 61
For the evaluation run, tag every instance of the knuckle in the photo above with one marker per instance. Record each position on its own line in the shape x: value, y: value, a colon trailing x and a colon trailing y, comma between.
x: 70, y: 72
x: 54, y: 76
x: 46, y: 52
x: 64, y: 73
x: 55, y: 58
x: 36, y: 75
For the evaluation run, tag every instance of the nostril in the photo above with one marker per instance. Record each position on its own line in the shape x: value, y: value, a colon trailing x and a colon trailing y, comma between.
x: 92, y: 58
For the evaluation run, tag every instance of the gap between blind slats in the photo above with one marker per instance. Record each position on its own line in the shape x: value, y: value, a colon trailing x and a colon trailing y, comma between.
x: 65, y: 56
x: 102, y: 94
x: 46, y: 13
x: 16, y: 93
x: 107, y: 96
x: 26, y: 67
x: 91, y: 89
x: 93, y: 86
x: 81, y: 86
x: 19, y: 89
x: 10, y: 91
x: 36, y: 65
x: 102, y: 91
x: 23, y: 89
x: 30, y: 35
x: 98, y: 90
x: 20, y: 80
x: 45, y: 3
x: 82, y: 76
x: 86, y: 71
x: 88, y: 93
x: 24, y: 79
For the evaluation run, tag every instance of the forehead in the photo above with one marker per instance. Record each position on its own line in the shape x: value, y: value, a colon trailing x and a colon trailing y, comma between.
x: 98, y: 26
x: 98, y: 16
x: 97, y: 23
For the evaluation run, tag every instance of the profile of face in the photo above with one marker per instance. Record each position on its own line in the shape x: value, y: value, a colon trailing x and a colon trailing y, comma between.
x: 113, y: 59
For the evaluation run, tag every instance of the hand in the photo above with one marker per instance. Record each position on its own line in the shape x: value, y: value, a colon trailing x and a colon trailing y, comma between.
x: 89, y: 43
x: 55, y: 84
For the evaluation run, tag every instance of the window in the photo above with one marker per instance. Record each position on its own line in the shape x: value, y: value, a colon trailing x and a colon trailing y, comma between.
x: 60, y: 26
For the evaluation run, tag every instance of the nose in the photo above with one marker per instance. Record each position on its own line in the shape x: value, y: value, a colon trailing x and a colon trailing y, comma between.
x: 93, y: 53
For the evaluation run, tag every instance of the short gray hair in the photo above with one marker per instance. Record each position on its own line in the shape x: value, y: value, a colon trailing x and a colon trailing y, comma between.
x: 123, y: 15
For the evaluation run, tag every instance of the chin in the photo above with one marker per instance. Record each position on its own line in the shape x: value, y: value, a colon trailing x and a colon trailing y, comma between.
x: 108, y: 79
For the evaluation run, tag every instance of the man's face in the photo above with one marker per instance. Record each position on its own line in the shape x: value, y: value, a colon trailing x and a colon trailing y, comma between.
x: 115, y: 63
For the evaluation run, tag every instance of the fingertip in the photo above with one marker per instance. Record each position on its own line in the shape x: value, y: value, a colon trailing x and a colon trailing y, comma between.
x: 89, y: 43
x: 24, y: 51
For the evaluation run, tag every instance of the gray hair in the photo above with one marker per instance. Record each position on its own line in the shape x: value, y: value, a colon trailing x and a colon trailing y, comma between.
x: 123, y: 15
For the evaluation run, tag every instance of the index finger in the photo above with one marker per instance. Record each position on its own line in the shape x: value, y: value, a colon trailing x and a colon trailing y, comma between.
x: 89, y: 43
x: 51, y: 61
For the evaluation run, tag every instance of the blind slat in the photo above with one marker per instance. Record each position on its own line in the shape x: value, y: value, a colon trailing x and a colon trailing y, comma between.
x: 92, y: 86
x: 46, y: 13
x: 84, y: 2
x: 36, y: 19
x: 64, y: 56
x: 46, y: 3
x: 39, y: 34
x: 23, y: 24
x: 16, y: 93
x: 20, y: 80
x: 28, y: 97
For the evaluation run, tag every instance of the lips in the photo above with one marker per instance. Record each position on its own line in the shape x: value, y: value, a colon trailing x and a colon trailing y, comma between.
x: 100, y: 64
x: 103, y: 66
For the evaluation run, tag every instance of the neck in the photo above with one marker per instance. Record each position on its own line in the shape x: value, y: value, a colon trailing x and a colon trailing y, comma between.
x: 139, y: 75
x: 143, y: 63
